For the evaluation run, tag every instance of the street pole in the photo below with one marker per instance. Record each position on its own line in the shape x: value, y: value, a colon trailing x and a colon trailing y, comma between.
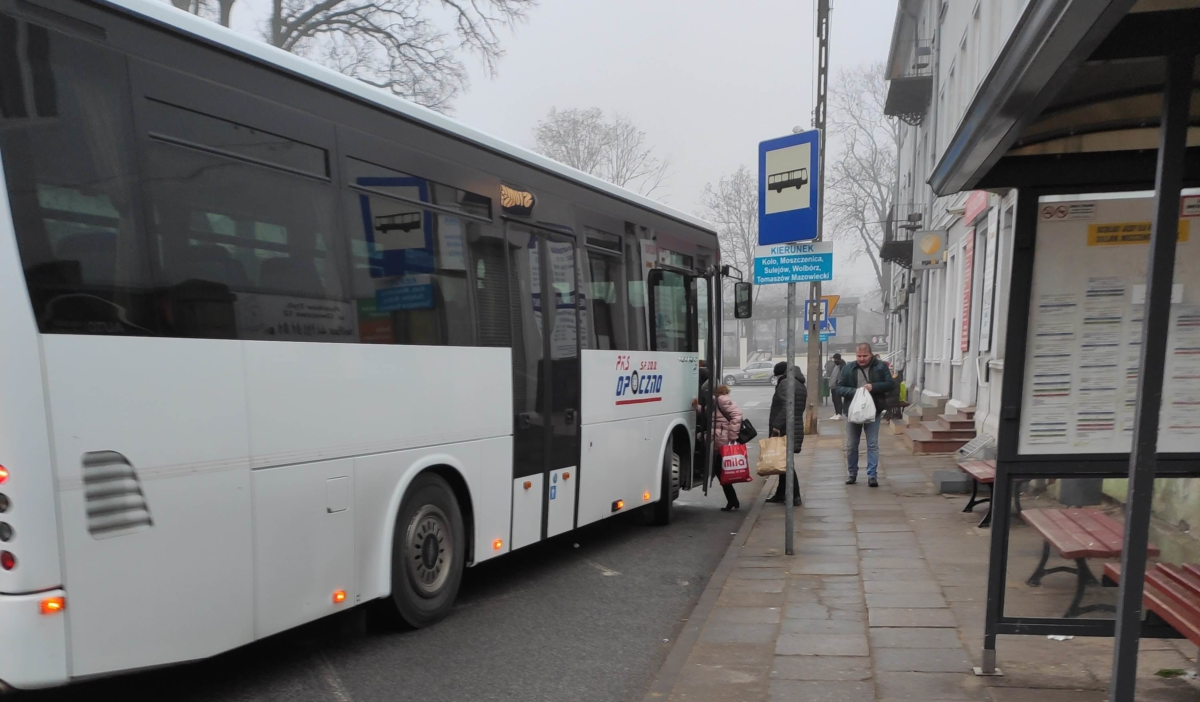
x: 789, y: 477
x: 813, y: 321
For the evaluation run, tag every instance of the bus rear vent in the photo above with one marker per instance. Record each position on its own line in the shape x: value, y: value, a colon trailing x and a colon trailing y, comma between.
x: 114, y: 500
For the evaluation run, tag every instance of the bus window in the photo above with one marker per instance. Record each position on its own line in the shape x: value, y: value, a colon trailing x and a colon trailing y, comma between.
x: 673, y: 311
x: 69, y: 160
x: 409, y: 264
x: 635, y: 290
x: 255, y: 234
x: 603, y: 283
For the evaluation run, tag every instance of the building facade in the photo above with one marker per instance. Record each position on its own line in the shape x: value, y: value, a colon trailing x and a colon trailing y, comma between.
x: 946, y: 321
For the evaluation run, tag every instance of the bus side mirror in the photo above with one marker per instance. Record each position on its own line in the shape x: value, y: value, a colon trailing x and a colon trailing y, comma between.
x: 743, y: 303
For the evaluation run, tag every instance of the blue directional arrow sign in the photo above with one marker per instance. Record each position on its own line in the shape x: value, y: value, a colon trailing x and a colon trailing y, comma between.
x: 788, y: 185
x: 801, y: 262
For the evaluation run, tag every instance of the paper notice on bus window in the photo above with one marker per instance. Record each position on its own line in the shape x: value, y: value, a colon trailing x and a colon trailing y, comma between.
x: 451, y: 244
x: 284, y: 318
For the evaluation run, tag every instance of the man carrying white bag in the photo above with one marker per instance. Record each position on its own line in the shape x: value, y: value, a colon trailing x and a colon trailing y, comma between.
x: 865, y: 384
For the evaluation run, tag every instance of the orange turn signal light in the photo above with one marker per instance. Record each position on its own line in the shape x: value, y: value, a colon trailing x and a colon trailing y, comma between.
x: 528, y: 484
x: 566, y: 476
x: 618, y: 505
x: 339, y: 597
x: 497, y: 544
x: 53, y: 605
x: 645, y: 497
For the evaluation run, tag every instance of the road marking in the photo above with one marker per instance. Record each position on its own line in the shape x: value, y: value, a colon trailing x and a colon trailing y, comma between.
x: 330, y: 677
x: 604, y: 570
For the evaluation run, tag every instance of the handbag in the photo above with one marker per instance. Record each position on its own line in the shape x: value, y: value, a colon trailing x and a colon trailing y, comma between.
x: 748, y: 432
x: 772, y: 456
x: 735, y: 465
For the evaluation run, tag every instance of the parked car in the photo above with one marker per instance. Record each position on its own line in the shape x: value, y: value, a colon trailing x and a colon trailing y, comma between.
x: 760, y: 372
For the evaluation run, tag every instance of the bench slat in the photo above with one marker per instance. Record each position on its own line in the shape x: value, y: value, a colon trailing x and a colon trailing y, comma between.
x: 1160, y: 605
x: 1192, y: 569
x: 1187, y: 603
x: 1058, y: 531
x: 983, y: 471
x: 1107, y: 543
x: 1080, y: 533
x: 1181, y: 619
x: 1181, y: 577
x: 1089, y: 546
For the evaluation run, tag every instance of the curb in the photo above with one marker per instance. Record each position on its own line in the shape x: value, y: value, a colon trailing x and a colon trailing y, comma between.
x: 671, y: 668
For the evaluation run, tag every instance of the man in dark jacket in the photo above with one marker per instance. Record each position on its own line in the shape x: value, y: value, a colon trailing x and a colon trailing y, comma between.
x: 778, y: 421
x: 871, y: 373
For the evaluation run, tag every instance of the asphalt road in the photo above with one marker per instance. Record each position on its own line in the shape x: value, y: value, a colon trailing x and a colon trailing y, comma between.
x: 589, y: 616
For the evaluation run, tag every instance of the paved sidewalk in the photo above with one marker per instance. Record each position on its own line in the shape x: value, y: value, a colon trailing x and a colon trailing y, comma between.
x: 883, y: 600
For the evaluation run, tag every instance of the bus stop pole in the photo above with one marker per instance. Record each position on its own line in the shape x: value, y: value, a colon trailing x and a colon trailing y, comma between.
x: 789, y: 477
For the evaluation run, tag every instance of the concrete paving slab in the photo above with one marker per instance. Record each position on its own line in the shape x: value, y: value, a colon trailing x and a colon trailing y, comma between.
x: 922, y: 618
x: 909, y: 637
x: 793, y: 690
x: 790, y: 644
x: 916, y: 600
x: 822, y: 626
x: 731, y: 633
x: 929, y: 686
x: 900, y: 586
x: 922, y: 660
x: 821, y: 668
x: 746, y: 615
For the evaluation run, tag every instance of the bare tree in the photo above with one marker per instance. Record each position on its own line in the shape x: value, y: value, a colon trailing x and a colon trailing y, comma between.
x: 614, y: 150
x: 398, y: 45
x: 732, y: 205
x: 859, y: 182
x: 204, y: 8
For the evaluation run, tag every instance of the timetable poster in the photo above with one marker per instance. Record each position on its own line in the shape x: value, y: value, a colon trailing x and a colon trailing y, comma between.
x: 1084, y: 351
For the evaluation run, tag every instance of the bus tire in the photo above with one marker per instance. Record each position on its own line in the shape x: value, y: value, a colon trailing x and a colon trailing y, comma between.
x: 428, y: 553
x: 664, y: 509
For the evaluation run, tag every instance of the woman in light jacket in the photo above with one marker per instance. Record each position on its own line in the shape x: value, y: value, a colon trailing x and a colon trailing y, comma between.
x: 729, y: 425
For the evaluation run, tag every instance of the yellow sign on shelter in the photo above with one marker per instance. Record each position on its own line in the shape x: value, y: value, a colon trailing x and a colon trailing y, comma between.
x: 1126, y: 233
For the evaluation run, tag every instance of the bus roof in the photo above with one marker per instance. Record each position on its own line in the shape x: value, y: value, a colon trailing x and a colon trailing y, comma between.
x: 166, y: 14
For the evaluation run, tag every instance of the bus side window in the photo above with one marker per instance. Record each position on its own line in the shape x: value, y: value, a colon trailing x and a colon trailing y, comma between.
x: 635, y: 298
x: 603, y: 280
x: 411, y: 265
x: 673, y: 303
x: 68, y: 158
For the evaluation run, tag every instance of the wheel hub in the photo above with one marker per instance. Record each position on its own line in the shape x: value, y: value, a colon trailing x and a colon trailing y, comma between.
x: 430, y: 550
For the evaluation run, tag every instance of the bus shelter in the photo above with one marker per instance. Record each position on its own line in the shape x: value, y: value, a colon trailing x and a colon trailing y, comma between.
x: 1091, y: 113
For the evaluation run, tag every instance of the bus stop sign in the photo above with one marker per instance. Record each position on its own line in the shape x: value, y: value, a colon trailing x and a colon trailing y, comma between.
x: 788, y: 184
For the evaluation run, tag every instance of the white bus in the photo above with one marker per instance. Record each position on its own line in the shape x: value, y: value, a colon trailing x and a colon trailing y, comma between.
x: 277, y: 344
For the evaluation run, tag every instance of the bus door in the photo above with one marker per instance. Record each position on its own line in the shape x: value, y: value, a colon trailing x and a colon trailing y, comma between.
x: 546, y: 385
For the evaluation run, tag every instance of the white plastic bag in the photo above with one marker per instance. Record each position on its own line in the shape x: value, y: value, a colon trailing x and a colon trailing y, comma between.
x: 862, y: 407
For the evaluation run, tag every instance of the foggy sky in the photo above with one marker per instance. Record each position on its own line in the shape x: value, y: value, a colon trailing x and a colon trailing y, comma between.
x: 705, y: 79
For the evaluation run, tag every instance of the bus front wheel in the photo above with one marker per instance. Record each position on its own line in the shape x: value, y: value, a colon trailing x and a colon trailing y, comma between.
x: 428, y: 553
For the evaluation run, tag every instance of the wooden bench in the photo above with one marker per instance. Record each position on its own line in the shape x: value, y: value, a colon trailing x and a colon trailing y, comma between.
x: 982, y: 473
x: 1077, y: 534
x: 1173, y: 593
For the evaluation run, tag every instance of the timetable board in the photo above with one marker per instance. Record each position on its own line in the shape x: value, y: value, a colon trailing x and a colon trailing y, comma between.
x: 1083, y: 352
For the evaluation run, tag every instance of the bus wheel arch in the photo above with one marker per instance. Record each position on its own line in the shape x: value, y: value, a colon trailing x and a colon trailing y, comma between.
x: 676, y: 457
x: 431, y: 544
